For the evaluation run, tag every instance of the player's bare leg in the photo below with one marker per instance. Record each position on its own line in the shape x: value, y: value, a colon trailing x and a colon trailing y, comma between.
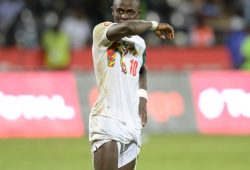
x: 106, y: 157
x: 129, y: 166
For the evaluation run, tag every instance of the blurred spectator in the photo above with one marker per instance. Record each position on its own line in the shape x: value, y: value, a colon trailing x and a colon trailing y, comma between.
x: 77, y: 27
x: 56, y: 44
x: 202, y: 35
x: 162, y: 8
x: 246, y: 7
x: 245, y: 50
x: 234, y: 39
x: 209, y: 8
x: 26, y: 34
x: 9, y: 13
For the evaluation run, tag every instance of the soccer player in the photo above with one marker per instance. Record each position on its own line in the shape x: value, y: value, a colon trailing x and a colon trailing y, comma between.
x: 117, y: 117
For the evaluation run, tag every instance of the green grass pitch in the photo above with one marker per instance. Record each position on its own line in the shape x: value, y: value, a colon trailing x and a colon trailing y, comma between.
x: 159, y: 152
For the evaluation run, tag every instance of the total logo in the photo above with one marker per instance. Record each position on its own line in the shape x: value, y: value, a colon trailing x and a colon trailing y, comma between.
x: 212, y: 103
x: 34, y: 107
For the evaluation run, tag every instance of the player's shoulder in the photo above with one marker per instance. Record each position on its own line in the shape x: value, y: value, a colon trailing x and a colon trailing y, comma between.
x: 102, y: 25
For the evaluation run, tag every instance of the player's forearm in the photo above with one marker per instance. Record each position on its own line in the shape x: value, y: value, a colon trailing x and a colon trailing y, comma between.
x: 143, y: 96
x: 135, y: 27
x: 128, y: 28
x: 143, y: 78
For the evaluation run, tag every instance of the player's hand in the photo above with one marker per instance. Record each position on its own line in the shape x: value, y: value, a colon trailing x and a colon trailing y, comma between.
x: 165, y: 31
x: 143, y: 111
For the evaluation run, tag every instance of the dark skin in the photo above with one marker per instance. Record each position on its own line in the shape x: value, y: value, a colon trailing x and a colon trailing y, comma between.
x: 127, y: 13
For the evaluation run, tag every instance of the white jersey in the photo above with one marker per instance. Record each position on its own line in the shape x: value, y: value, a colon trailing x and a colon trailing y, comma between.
x: 117, y: 65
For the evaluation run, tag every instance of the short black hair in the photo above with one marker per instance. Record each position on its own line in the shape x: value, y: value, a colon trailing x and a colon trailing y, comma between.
x: 138, y: 1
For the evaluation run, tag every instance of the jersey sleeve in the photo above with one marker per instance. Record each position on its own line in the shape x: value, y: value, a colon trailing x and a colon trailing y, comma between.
x: 99, y: 35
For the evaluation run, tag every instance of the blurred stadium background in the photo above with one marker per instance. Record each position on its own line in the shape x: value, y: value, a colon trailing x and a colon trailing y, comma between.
x: 198, y: 84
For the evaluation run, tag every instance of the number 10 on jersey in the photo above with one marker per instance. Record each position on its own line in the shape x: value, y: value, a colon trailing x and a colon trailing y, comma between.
x: 133, y: 67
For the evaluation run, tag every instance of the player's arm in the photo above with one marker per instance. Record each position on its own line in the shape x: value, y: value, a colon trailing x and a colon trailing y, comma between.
x: 136, y: 27
x: 143, y: 95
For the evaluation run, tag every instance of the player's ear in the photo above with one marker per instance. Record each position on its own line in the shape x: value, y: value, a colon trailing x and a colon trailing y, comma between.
x: 139, y: 14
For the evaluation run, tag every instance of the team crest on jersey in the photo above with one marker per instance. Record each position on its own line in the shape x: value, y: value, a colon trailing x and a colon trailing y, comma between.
x: 123, y: 48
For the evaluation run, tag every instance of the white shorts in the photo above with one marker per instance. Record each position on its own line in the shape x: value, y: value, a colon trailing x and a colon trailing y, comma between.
x: 106, y: 128
x: 126, y: 152
x: 103, y: 129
